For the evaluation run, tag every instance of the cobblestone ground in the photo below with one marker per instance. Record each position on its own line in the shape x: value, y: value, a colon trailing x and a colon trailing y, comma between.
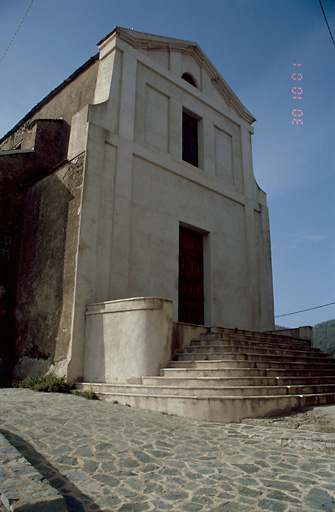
x: 107, y: 457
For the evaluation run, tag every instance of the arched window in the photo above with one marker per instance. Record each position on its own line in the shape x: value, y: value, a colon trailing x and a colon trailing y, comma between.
x: 189, y: 78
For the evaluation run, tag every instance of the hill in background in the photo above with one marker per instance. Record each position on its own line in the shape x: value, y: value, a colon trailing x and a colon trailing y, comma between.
x: 323, y: 336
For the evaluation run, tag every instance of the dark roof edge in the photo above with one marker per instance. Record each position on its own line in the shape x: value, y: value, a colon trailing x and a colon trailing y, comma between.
x: 53, y: 93
x: 107, y: 36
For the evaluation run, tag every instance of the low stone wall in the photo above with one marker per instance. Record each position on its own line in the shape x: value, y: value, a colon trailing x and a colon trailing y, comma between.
x: 183, y: 335
x: 303, y: 333
x: 127, y: 339
x: 22, y: 487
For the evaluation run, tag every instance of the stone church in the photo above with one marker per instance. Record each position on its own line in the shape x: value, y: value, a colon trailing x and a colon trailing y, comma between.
x: 130, y: 215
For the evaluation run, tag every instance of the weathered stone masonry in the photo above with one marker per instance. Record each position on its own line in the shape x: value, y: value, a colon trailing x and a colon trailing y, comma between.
x: 39, y: 210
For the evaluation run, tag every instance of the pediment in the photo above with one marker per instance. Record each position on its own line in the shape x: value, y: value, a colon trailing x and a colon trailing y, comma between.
x: 153, y: 43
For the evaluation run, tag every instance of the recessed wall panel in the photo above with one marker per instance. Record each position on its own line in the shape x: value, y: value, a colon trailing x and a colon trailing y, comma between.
x: 157, y: 119
x: 224, y: 156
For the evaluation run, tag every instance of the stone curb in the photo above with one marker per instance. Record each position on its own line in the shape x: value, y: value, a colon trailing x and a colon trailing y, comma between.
x: 22, y: 487
x: 320, y: 445
x: 311, y: 441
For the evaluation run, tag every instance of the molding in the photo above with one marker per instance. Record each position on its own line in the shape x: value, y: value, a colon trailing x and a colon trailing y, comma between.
x: 150, y: 43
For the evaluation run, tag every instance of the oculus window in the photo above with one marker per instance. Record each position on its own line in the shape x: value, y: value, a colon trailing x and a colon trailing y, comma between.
x: 190, y: 139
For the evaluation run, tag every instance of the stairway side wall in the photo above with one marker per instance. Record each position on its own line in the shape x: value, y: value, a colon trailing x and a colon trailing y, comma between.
x: 127, y: 339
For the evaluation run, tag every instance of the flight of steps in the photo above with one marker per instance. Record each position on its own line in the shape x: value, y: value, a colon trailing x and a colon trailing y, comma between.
x: 228, y: 374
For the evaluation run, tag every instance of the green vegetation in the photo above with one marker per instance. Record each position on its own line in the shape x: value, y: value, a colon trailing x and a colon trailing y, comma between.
x: 89, y: 394
x: 324, y: 336
x: 51, y: 384
x: 48, y: 384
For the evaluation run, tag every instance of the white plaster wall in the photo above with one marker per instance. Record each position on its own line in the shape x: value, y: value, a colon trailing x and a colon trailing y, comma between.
x: 161, y: 200
x: 138, y: 190
x: 127, y: 339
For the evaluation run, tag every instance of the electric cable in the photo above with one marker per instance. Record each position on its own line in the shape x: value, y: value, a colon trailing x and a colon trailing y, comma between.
x: 18, y: 28
x: 303, y: 310
x: 324, y: 15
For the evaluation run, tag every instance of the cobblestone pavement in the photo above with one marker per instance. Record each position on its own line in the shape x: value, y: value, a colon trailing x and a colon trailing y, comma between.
x: 107, y: 457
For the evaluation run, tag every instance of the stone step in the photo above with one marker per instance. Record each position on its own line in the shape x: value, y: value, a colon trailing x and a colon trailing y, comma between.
x: 300, y: 344
x: 254, y: 358
x: 228, y: 363
x: 227, y: 375
x: 251, y: 343
x: 255, y: 350
x: 259, y: 337
x: 194, y: 390
x: 221, y: 409
x: 238, y: 381
x: 237, y: 372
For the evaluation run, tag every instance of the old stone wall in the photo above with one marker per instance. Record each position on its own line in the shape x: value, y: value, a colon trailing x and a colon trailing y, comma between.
x: 43, y: 145
x: 47, y: 266
x: 29, y: 152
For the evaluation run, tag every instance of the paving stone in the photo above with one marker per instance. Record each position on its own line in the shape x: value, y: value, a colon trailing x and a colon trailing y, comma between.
x: 279, y: 495
x: 176, y: 496
x: 90, y: 466
x: 107, y: 466
x: 106, y: 457
x: 226, y: 496
x: 107, y: 479
x: 191, y: 486
x: 192, y: 507
x: 248, y: 468
x: 231, y: 506
x: 285, y: 486
x: 272, y: 505
x: 149, y: 468
x: 134, y: 507
x: 319, y: 499
x: 153, y: 487
x: 247, y: 491
x: 83, y: 451
x: 131, y: 495
x: 203, y: 500
x: 69, y: 461
x: 162, y: 505
x: 136, y: 483
x: 251, y: 482
x: 75, y: 476
x: 128, y: 463
x: 169, y: 471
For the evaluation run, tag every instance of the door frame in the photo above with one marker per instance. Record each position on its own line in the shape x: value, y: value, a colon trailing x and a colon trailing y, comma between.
x: 206, y: 269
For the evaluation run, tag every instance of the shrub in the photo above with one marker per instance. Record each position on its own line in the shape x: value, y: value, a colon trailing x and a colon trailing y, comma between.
x: 48, y: 384
x: 89, y: 394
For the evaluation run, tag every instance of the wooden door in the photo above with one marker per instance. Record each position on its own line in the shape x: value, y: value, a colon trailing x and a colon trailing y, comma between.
x: 191, y: 277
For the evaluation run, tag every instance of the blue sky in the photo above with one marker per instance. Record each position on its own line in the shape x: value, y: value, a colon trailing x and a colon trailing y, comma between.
x: 253, y: 44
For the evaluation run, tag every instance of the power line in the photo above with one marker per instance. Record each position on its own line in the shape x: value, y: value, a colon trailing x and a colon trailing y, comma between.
x: 324, y: 15
x: 18, y: 28
x: 303, y: 310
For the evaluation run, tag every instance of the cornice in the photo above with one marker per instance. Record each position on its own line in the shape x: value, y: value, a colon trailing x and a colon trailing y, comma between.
x: 150, y: 43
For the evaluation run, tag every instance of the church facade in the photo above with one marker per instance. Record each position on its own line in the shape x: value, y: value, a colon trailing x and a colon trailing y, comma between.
x: 138, y: 211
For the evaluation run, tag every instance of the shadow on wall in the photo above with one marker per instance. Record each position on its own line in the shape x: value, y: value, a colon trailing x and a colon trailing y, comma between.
x: 26, y: 156
x: 41, y: 271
